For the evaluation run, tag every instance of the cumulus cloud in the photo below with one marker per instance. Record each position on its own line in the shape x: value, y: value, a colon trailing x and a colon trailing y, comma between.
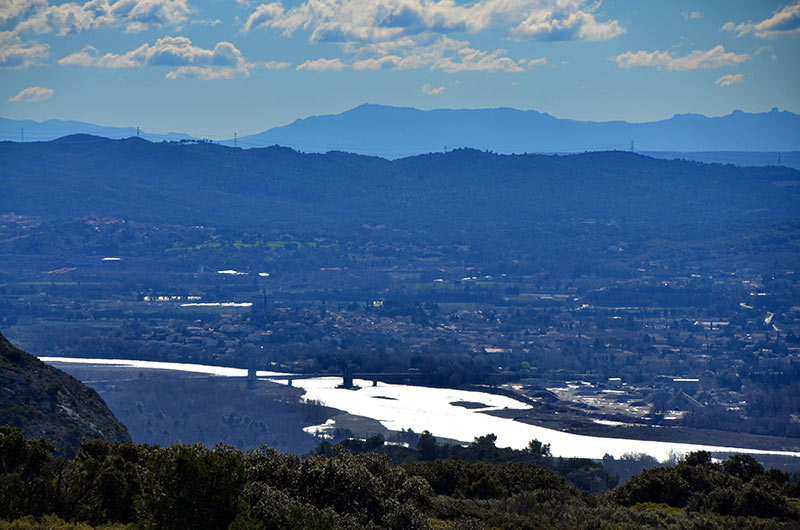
x: 88, y: 56
x: 14, y: 9
x: 14, y: 54
x: 716, y: 57
x: 692, y: 15
x: 728, y: 80
x: 321, y: 65
x: 470, y: 59
x: 224, y: 61
x: 388, y: 62
x: 407, y: 34
x: 377, y: 20
x: 33, y: 94
x: 784, y: 21
x: 446, y: 54
x: 268, y: 15
x: 427, y: 89
x: 569, y: 24
x: 70, y: 17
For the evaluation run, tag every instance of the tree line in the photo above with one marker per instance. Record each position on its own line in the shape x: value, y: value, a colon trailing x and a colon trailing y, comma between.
x: 180, y: 486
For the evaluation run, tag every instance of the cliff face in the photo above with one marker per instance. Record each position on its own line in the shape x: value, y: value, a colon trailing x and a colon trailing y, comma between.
x: 47, y: 403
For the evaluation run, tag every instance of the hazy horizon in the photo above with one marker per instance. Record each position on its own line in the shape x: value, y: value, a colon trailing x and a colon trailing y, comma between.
x: 210, y: 69
x: 300, y: 118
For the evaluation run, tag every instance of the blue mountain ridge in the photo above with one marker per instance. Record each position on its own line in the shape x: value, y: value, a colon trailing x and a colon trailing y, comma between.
x: 394, y: 132
x: 34, y: 131
x: 739, y: 138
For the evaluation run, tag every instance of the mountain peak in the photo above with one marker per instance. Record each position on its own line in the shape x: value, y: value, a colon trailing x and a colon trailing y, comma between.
x: 394, y: 132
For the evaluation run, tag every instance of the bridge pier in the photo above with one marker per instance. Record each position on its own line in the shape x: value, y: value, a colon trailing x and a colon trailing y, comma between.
x: 347, y: 377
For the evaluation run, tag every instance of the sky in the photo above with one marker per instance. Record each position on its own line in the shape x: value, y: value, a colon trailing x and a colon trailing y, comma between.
x: 212, y: 68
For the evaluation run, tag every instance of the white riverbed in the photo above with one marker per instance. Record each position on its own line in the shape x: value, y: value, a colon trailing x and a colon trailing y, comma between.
x: 421, y: 408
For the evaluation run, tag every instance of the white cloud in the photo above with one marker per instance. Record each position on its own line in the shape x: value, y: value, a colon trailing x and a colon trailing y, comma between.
x: 266, y: 15
x: 427, y: 89
x: 381, y: 20
x: 784, y: 21
x: 14, y: 54
x: 470, y: 59
x: 13, y: 9
x: 206, y: 22
x: 539, y: 62
x: 568, y: 25
x: 385, y: 62
x: 33, y: 94
x: 136, y: 27
x: 410, y: 34
x: 276, y: 65
x: 86, y: 57
x: 207, y: 73
x: 728, y: 80
x: 446, y: 54
x: 321, y: 65
x: 692, y: 15
x: 70, y: 17
x: 716, y: 57
x: 224, y: 61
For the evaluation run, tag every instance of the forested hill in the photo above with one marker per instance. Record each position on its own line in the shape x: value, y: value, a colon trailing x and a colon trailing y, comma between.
x: 45, y: 402
x: 210, y: 184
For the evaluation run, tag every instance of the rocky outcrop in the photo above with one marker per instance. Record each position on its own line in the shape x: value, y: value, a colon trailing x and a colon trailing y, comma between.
x: 48, y: 403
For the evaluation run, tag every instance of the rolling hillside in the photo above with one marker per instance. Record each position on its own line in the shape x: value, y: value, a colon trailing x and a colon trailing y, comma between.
x: 210, y: 184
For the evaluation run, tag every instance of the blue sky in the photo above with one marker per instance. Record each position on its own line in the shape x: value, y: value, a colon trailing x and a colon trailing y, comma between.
x: 214, y: 67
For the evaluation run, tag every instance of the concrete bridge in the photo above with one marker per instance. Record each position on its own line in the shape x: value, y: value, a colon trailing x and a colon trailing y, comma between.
x: 347, y: 375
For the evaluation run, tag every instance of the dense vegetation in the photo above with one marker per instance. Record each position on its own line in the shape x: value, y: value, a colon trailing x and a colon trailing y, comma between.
x: 44, y: 401
x: 205, y: 184
x: 194, y: 487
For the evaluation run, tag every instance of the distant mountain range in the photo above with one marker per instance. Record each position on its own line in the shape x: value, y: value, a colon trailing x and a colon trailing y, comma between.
x: 465, y: 188
x: 396, y: 132
x: 34, y: 131
x: 393, y: 132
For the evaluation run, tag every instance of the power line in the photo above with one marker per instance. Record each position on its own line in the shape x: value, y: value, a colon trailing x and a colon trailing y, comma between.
x: 380, y: 151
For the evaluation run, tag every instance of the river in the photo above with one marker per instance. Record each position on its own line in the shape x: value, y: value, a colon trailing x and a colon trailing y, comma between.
x: 423, y: 408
